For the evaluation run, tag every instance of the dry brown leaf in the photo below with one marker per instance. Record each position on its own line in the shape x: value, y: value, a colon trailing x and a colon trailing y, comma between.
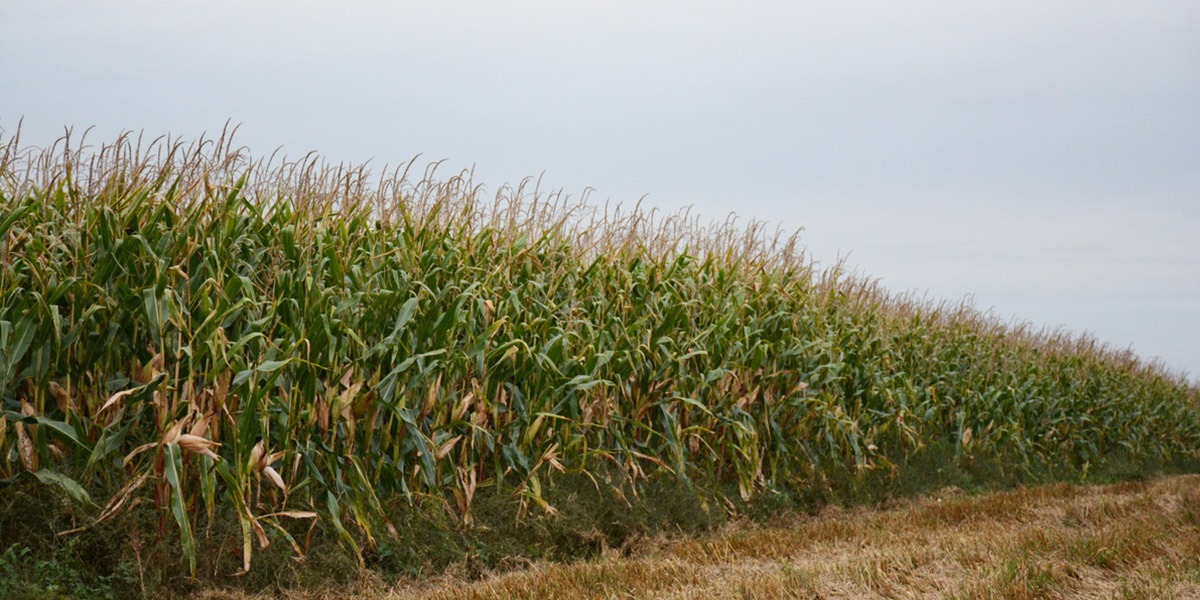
x: 294, y: 514
x: 464, y: 405
x: 221, y: 392
x: 65, y: 404
x: 256, y: 457
x: 447, y: 447
x: 174, y: 431
x: 200, y: 427
x: 115, y: 398
x: 25, y: 449
x: 346, y: 401
x: 321, y: 415
x: 275, y: 478
x: 263, y: 542
x: 136, y: 451
x: 114, y: 504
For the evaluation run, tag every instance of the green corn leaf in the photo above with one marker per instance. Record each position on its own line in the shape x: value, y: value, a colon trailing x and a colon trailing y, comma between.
x: 173, y: 469
x: 63, y: 429
x: 406, y: 314
x: 68, y: 485
x: 270, y: 366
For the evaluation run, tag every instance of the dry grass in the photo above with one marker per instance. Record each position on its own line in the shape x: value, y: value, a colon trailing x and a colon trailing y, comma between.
x: 1130, y: 540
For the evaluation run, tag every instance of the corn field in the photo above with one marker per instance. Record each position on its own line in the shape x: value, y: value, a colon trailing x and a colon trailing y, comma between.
x: 186, y: 328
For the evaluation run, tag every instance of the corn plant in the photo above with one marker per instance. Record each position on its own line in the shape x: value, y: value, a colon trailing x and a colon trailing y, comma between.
x: 290, y: 345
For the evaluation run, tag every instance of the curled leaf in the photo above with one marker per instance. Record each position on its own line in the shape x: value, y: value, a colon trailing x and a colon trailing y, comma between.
x: 256, y: 457
x: 114, y: 399
x: 275, y: 478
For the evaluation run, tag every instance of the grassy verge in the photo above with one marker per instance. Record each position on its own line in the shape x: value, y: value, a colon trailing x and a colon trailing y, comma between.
x: 124, y: 558
x: 1128, y: 540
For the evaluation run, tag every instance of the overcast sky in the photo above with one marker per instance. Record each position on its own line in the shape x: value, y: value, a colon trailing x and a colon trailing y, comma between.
x: 1042, y: 156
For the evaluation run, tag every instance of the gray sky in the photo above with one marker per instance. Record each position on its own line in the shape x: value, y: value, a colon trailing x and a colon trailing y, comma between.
x: 1043, y: 157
